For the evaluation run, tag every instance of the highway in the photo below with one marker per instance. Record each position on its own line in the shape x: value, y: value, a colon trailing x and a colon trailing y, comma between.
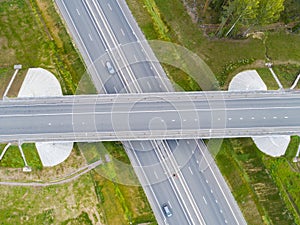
x: 150, y: 116
x: 106, y: 31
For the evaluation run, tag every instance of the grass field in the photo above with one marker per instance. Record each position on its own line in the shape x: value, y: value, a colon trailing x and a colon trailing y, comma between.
x: 31, y: 37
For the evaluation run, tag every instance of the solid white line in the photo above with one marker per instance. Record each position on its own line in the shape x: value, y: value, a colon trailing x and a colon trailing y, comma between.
x: 83, y: 45
x: 10, y: 82
x: 220, y: 188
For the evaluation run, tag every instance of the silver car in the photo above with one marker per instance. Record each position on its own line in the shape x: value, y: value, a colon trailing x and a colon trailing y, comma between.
x: 110, y: 67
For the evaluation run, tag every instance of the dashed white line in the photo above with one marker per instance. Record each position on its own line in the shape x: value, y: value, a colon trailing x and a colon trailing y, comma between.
x: 78, y: 12
x: 149, y: 85
x: 135, y: 58
x: 155, y: 174
x: 110, y: 8
x: 229, y: 118
x: 286, y: 117
x: 204, y: 200
x: 90, y: 36
x: 274, y: 117
x: 241, y: 118
x: 122, y: 32
x: 173, y: 120
x: 252, y: 118
x: 191, y: 171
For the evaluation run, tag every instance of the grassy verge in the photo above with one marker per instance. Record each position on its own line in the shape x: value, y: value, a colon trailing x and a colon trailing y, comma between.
x: 129, y: 203
x: 59, y: 204
x: 257, y: 192
x: 13, y: 158
x: 32, y: 34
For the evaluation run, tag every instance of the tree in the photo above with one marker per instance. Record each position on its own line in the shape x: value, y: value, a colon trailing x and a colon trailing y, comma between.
x: 238, y: 12
x: 246, y: 13
x: 269, y: 11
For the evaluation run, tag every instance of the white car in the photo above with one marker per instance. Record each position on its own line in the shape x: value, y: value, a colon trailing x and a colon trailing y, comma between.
x: 110, y: 67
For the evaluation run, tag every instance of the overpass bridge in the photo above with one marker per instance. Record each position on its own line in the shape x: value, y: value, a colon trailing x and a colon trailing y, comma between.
x: 150, y: 116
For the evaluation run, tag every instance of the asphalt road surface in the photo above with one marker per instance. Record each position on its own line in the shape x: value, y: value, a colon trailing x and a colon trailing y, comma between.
x: 150, y: 116
x: 106, y: 31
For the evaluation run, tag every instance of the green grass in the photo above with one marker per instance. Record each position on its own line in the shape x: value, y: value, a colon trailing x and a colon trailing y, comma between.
x: 59, y: 204
x: 13, y: 158
x: 243, y: 166
x: 129, y: 203
x: 28, y: 36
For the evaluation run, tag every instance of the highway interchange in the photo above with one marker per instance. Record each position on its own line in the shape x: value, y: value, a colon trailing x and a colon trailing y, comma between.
x: 169, y: 170
x: 101, y: 29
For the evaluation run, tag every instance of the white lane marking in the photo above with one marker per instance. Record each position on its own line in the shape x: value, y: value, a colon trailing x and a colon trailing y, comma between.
x: 162, y: 120
x: 184, y: 120
x: 49, y: 124
x: 264, y: 117
x: 91, y: 37
x: 173, y: 120
x: 211, y: 191
x: 206, y: 181
x: 135, y: 58
x: 191, y: 171
x: 78, y: 12
x: 155, y: 174
x: 216, y: 201
x: 229, y: 118
x: 151, y: 68
x: 219, y: 118
x: 115, y: 89
x: 188, y: 142
x: 170, y: 204
x: 122, y: 31
x: 221, y: 211
x: 241, y: 118
x: 252, y: 118
x: 149, y: 85
x: 196, y: 119
x: 274, y: 117
x: 142, y: 145
x: 286, y: 117
x: 204, y: 200
x: 110, y: 8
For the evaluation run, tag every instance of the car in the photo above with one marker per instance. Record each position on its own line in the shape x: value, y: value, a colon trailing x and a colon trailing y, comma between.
x: 166, y: 209
x: 110, y: 67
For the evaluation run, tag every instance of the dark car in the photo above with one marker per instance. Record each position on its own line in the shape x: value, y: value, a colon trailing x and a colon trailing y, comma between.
x: 166, y: 209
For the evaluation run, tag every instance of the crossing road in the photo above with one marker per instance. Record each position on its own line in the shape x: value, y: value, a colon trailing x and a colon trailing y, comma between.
x: 150, y: 116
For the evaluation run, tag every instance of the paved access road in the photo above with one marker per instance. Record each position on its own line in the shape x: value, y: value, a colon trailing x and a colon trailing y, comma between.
x: 150, y: 116
x: 104, y: 30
